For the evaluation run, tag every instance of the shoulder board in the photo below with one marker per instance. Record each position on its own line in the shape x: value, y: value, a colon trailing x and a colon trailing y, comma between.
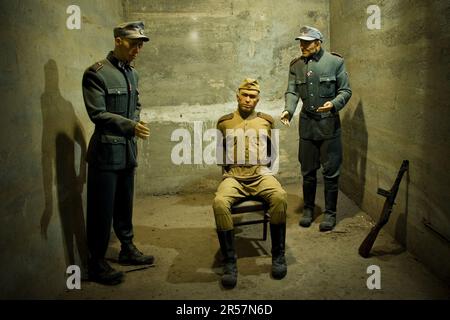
x: 265, y: 116
x: 294, y: 61
x: 337, y: 54
x: 226, y: 117
x: 96, y: 66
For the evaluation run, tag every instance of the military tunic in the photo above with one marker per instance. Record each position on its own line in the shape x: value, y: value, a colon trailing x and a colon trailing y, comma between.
x: 110, y: 92
x: 316, y: 80
x: 246, y: 179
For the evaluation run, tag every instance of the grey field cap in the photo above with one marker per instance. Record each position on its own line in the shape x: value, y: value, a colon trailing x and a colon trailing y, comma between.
x: 309, y: 33
x: 131, y: 30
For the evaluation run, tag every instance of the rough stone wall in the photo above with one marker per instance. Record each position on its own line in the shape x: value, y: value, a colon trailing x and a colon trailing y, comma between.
x: 399, y: 110
x: 43, y: 142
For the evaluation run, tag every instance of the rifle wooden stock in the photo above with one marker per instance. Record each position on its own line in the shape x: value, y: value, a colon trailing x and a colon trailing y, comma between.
x: 366, y: 245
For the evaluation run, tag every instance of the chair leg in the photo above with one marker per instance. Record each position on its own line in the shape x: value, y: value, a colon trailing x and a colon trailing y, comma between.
x: 266, y: 221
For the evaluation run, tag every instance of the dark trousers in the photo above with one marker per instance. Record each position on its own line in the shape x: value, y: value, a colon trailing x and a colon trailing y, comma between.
x: 109, y: 201
x: 313, y: 154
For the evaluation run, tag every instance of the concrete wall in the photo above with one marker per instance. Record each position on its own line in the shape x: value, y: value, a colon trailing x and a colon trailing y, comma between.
x: 43, y: 140
x: 399, y: 110
x: 201, y: 49
x: 198, y: 54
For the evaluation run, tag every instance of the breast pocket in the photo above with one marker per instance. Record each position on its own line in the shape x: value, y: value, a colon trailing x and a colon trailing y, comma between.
x: 117, y: 100
x: 302, y: 87
x: 327, y: 87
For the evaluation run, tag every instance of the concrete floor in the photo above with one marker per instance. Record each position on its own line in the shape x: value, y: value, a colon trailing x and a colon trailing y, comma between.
x: 179, y: 231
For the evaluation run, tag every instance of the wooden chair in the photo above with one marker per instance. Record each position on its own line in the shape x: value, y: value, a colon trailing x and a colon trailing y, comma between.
x: 252, y: 206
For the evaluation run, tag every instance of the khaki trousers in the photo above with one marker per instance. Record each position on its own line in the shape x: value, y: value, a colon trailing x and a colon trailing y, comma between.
x: 231, y: 190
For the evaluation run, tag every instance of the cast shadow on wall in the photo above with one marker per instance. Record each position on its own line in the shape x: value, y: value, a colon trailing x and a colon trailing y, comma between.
x: 63, y: 153
x: 355, y: 141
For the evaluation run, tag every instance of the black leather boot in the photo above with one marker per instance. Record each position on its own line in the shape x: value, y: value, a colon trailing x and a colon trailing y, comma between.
x: 309, y: 197
x: 100, y: 271
x: 278, y: 236
x: 226, y: 240
x: 307, y: 217
x: 331, y: 196
x: 130, y: 255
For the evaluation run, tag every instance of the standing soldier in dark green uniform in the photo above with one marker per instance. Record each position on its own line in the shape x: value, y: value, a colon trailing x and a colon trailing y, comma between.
x: 320, y: 80
x: 110, y: 92
x: 249, y: 177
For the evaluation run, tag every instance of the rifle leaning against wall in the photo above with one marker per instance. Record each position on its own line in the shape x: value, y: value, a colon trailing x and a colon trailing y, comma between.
x: 366, y: 245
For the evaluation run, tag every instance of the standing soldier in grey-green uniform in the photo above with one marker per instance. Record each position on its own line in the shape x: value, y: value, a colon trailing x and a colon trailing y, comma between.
x: 248, y: 177
x: 320, y: 80
x: 110, y: 92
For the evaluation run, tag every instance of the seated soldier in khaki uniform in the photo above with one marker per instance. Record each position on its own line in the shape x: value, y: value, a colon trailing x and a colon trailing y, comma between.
x: 242, y: 179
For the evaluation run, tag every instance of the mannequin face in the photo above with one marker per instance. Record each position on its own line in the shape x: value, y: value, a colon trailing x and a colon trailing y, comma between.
x: 247, y: 100
x: 308, y: 48
x: 127, y: 49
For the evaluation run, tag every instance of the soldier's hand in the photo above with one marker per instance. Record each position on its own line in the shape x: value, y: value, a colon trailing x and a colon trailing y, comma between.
x: 285, y: 118
x: 141, y: 130
x: 327, y: 106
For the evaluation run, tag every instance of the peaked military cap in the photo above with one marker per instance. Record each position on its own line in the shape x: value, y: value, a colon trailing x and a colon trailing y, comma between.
x: 131, y: 30
x: 309, y: 33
